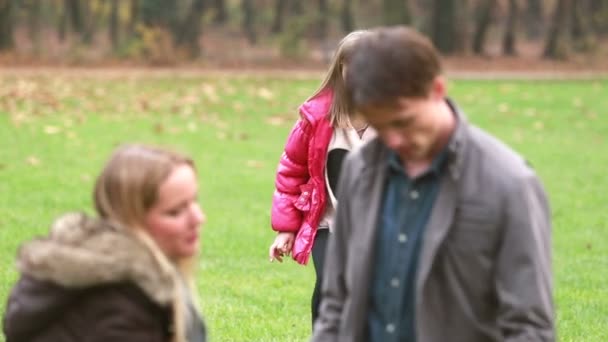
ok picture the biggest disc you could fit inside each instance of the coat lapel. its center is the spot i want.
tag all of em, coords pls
(372, 182)
(444, 209)
(438, 227)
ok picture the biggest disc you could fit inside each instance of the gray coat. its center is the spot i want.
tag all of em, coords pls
(485, 266)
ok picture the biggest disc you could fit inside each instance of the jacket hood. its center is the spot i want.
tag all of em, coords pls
(82, 252)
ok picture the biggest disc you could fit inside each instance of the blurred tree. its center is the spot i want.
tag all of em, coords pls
(159, 13)
(556, 46)
(282, 10)
(190, 30)
(599, 17)
(279, 10)
(534, 19)
(347, 20)
(113, 25)
(483, 18)
(322, 20)
(6, 25)
(396, 12)
(445, 26)
(33, 23)
(249, 21)
(92, 11)
(133, 17)
(462, 17)
(583, 33)
(74, 16)
(295, 7)
(508, 40)
(220, 15)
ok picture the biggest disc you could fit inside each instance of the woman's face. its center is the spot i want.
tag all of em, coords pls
(176, 217)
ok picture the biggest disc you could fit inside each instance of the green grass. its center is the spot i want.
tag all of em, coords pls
(56, 132)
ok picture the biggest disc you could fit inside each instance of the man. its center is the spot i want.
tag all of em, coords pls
(442, 232)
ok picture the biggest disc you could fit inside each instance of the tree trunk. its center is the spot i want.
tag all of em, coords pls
(113, 24)
(62, 23)
(580, 30)
(279, 11)
(599, 16)
(347, 16)
(534, 19)
(221, 15)
(483, 18)
(555, 47)
(508, 41)
(322, 20)
(462, 17)
(190, 31)
(248, 21)
(295, 7)
(72, 8)
(396, 12)
(90, 27)
(133, 17)
(6, 25)
(444, 26)
(34, 24)
(580, 24)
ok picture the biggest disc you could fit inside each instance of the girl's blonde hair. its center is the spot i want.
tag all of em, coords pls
(124, 192)
(340, 110)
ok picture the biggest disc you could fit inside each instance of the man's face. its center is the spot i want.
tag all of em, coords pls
(411, 126)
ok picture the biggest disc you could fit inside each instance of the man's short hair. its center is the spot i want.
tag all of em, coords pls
(389, 63)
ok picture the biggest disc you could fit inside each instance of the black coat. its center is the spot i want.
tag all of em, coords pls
(90, 281)
(39, 311)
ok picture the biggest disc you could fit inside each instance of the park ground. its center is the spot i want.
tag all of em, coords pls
(58, 124)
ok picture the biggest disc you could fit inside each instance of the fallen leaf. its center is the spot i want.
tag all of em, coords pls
(192, 127)
(51, 129)
(256, 164)
(159, 128)
(33, 161)
(265, 93)
(275, 120)
(210, 92)
(503, 107)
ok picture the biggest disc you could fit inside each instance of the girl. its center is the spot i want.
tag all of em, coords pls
(124, 275)
(304, 200)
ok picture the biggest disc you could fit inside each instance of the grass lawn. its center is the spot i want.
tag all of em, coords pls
(56, 132)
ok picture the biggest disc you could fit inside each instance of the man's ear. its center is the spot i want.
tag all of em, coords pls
(439, 88)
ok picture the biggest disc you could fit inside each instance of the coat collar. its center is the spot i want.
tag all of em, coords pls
(81, 251)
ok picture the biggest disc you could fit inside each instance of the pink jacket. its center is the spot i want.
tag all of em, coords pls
(298, 203)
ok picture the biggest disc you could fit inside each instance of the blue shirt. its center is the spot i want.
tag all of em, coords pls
(405, 211)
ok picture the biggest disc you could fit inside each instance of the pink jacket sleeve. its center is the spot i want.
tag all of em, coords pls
(292, 173)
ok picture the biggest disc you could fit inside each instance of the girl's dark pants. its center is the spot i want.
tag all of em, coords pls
(318, 257)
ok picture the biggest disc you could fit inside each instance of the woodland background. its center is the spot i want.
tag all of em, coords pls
(472, 34)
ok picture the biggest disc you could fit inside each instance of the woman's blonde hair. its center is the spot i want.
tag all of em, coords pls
(125, 191)
(340, 110)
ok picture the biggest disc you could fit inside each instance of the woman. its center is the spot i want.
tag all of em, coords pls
(304, 200)
(124, 275)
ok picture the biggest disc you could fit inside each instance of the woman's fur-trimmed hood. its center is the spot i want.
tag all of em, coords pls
(81, 251)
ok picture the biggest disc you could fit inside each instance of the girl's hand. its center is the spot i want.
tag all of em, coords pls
(281, 246)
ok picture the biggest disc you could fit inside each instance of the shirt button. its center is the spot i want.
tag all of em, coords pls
(402, 238)
(395, 282)
(390, 328)
(414, 194)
